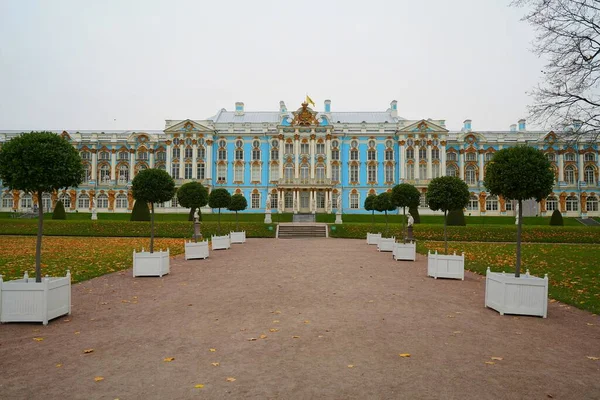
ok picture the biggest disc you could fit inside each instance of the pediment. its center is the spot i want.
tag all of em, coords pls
(423, 126)
(188, 125)
(305, 116)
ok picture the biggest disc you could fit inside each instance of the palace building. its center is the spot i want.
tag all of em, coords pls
(306, 159)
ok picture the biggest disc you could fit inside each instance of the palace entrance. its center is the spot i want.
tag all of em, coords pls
(304, 202)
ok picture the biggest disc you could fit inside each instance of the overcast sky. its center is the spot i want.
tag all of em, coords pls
(83, 64)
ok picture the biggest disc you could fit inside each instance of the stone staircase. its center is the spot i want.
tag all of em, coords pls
(304, 218)
(297, 230)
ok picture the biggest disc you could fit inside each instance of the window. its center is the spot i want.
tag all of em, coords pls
(320, 173)
(451, 171)
(255, 173)
(304, 173)
(491, 203)
(470, 178)
(588, 157)
(187, 170)
(354, 173)
(256, 154)
(275, 143)
(123, 174)
(335, 154)
(410, 171)
(508, 205)
(288, 199)
(389, 143)
(569, 156)
(354, 144)
(389, 155)
(142, 155)
(423, 201)
(551, 203)
(221, 173)
(320, 199)
(123, 155)
(26, 201)
(46, 202)
(591, 204)
(176, 152)
(274, 200)
(239, 153)
(471, 156)
(335, 144)
(551, 157)
(570, 174)
(256, 143)
(335, 173)
(200, 171)
(189, 152)
(489, 156)
(161, 156)
(87, 173)
(320, 148)
(423, 153)
(588, 175)
(354, 155)
(176, 141)
(102, 201)
(473, 204)
(572, 203)
(201, 153)
(354, 200)
(334, 199)
(274, 154)
(222, 154)
(435, 171)
(7, 201)
(435, 154)
(174, 202)
(289, 148)
(304, 148)
(238, 173)
(104, 173)
(222, 143)
(371, 173)
(175, 170)
(289, 172)
(389, 173)
(451, 156)
(274, 172)
(239, 143)
(121, 201)
(422, 171)
(255, 200)
(371, 143)
(86, 155)
(104, 155)
(83, 201)
(410, 153)
(371, 155)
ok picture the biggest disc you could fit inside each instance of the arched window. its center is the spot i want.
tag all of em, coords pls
(389, 155)
(589, 157)
(410, 171)
(423, 153)
(451, 156)
(473, 204)
(491, 203)
(304, 174)
(353, 173)
(187, 170)
(142, 154)
(104, 173)
(435, 153)
(275, 153)
(189, 152)
(569, 156)
(274, 172)
(470, 176)
(221, 173)
(288, 173)
(238, 173)
(591, 203)
(83, 201)
(435, 171)
(335, 154)
(389, 173)
(161, 156)
(256, 154)
(320, 173)
(201, 153)
(320, 148)
(26, 201)
(551, 203)
(123, 155)
(471, 156)
(354, 155)
(104, 155)
(66, 200)
(201, 171)
(47, 202)
(102, 201)
(255, 200)
(304, 148)
(288, 199)
(175, 170)
(176, 152)
(121, 201)
(335, 173)
(451, 170)
(570, 174)
(588, 175)
(7, 200)
(372, 173)
(572, 203)
(123, 174)
(255, 172)
(551, 157)
(354, 200)
(87, 173)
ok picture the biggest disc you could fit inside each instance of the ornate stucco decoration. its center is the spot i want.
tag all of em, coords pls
(305, 116)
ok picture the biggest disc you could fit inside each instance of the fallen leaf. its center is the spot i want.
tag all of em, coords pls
(404, 355)
(370, 301)
(276, 312)
(88, 351)
(589, 324)
(497, 358)
(169, 359)
(307, 322)
(350, 366)
(230, 379)
(104, 303)
(66, 320)
(593, 358)
(295, 337)
(275, 321)
(455, 332)
(490, 362)
(273, 330)
(215, 364)
(212, 350)
(58, 365)
(77, 332)
(98, 378)
(450, 316)
(263, 336)
(252, 339)
(552, 301)
(38, 339)
(199, 386)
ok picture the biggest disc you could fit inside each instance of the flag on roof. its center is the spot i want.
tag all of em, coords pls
(310, 101)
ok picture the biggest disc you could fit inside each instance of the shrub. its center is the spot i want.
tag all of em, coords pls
(219, 198)
(59, 211)
(140, 211)
(238, 203)
(556, 219)
(414, 211)
(193, 195)
(456, 218)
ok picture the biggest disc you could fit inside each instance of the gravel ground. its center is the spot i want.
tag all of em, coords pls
(298, 319)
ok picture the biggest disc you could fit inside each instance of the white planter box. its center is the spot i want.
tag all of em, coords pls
(220, 242)
(526, 295)
(150, 264)
(446, 266)
(24, 300)
(238, 237)
(196, 250)
(386, 244)
(405, 251)
(373, 238)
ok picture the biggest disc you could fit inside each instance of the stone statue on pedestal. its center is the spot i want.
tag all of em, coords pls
(197, 234)
(410, 223)
(94, 214)
(268, 202)
(268, 210)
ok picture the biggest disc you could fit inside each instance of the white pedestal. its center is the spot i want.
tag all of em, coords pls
(405, 251)
(195, 250)
(446, 266)
(386, 244)
(24, 300)
(220, 242)
(526, 295)
(238, 237)
(338, 218)
(268, 219)
(151, 264)
(373, 238)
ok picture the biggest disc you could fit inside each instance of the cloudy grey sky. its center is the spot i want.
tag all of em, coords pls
(81, 64)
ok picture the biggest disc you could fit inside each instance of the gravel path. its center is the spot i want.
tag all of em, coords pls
(298, 319)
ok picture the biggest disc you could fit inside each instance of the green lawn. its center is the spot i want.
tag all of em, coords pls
(225, 216)
(573, 270)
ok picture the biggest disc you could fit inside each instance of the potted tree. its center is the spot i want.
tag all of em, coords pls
(38, 163)
(372, 238)
(518, 173)
(383, 203)
(446, 193)
(219, 198)
(194, 195)
(405, 195)
(152, 186)
(238, 203)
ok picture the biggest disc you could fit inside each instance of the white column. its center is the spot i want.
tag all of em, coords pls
(401, 162)
(94, 165)
(151, 158)
(429, 160)
(327, 194)
(194, 160)
(131, 164)
(561, 161)
(296, 159)
(208, 163)
(461, 165)
(481, 166)
(169, 158)
(113, 165)
(580, 167)
(312, 143)
(281, 150)
(181, 162)
(417, 160)
(443, 160)
(328, 164)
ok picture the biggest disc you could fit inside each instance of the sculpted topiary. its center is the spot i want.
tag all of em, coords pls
(59, 211)
(140, 211)
(556, 219)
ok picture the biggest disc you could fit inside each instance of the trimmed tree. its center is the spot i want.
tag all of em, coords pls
(193, 195)
(519, 173)
(238, 203)
(219, 198)
(140, 211)
(152, 185)
(369, 206)
(38, 163)
(456, 218)
(405, 195)
(556, 219)
(59, 211)
(383, 203)
(447, 193)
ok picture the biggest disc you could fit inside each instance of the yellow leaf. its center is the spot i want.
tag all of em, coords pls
(276, 312)
(455, 332)
(230, 379)
(77, 332)
(273, 330)
(404, 355)
(497, 358)
(199, 386)
(169, 359)
(252, 339)
(295, 337)
(275, 321)
(307, 322)
(589, 324)
(552, 301)
(66, 320)
(58, 365)
(350, 366)
(212, 350)
(99, 378)
(38, 339)
(88, 351)
(593, 358)
(215, 364)
(490, 362)
(263, 336)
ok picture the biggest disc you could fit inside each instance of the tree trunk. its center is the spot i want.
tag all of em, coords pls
(219, 225)
(520, 215)
(152, 228)
(191, 214)
(237, 223)
(445, 232)
(199, 213)
(404, 225)
(38, 244)
(386, 224)
(373, 219)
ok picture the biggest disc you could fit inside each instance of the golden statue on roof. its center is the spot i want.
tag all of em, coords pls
(305, 116)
